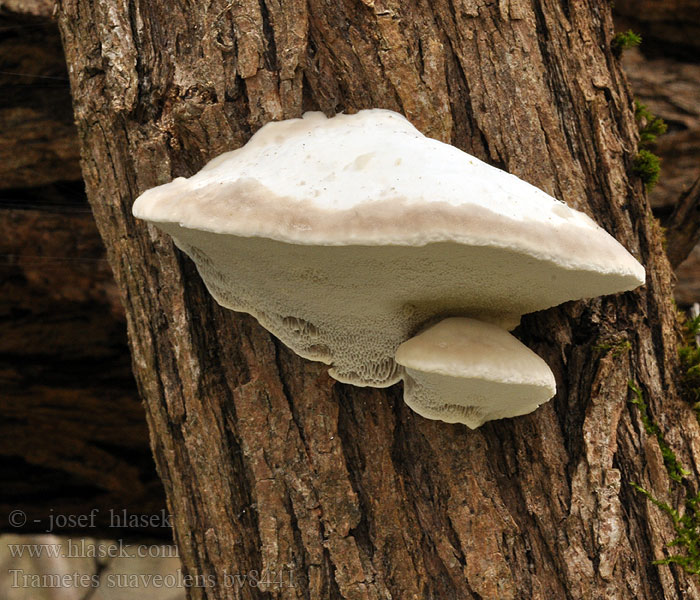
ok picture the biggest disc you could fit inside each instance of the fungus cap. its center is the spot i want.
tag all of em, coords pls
(465, 371)
(343, 236)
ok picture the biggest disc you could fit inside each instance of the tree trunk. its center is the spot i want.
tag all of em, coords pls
(343, 492)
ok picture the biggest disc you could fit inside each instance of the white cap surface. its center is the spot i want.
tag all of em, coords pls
(343, 236)
(466, 371)
(373, 179)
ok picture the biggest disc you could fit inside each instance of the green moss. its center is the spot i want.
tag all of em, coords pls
(689, 358)
(686, 525)
(618, 348)
(647, 166)
(650, 126)
(673, 466)
(625, 40)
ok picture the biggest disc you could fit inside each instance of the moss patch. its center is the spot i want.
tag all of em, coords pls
(647, 167)
(624, 40)
(650, 126)
(689, 359)
(686, 525)
(616, 347)
(675, 470)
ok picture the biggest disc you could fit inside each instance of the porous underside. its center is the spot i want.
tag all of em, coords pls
(470, 401)
(351, 306)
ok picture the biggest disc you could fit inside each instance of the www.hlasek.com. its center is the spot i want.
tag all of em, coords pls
(266, 579)
(86, 548)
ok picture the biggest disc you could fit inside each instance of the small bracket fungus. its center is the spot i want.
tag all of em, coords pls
(466, 371)
(345, 236)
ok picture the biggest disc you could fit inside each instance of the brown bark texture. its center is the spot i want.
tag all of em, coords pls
(267, 462)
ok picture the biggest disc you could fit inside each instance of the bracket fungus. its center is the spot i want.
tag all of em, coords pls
(467, 371)
(345, 236)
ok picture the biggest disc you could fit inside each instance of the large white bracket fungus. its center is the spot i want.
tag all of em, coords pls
(345, 236)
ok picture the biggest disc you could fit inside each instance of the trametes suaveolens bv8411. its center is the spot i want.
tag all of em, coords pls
(346, 237)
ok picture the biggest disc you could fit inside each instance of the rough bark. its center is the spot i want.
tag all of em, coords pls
(268, 463)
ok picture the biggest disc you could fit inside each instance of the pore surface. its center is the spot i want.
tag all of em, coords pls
(351, 306)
